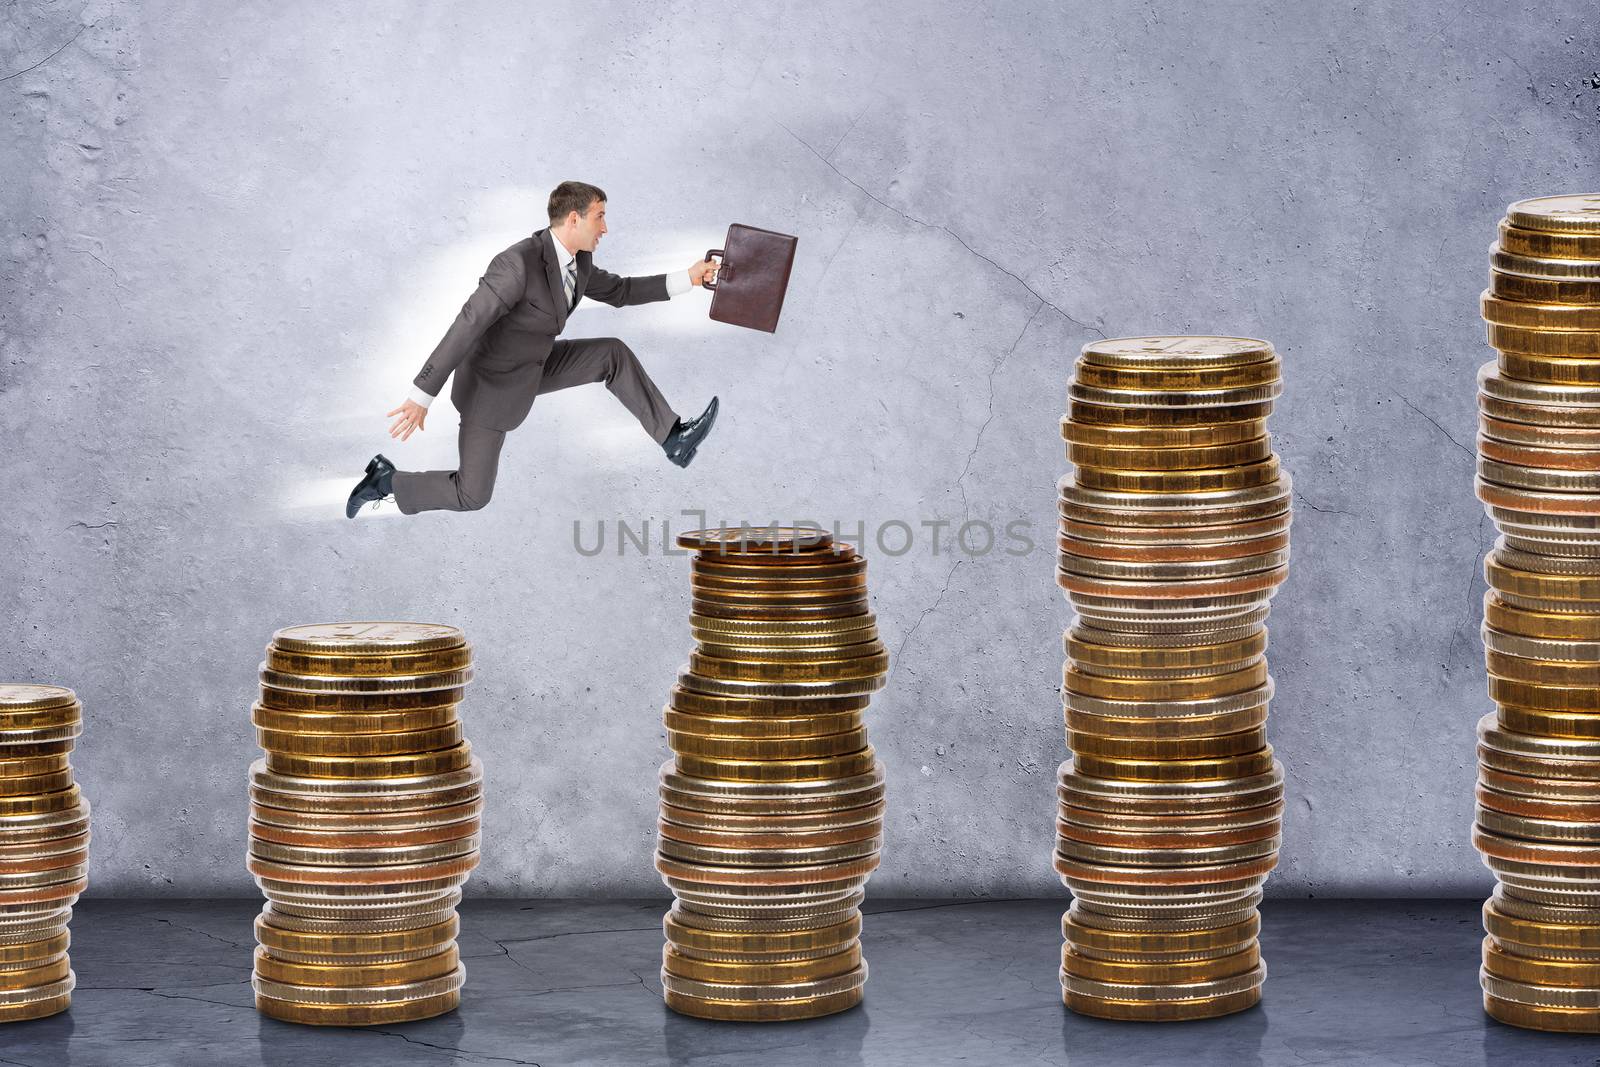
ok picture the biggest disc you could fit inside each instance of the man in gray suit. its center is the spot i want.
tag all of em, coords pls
(503, 350)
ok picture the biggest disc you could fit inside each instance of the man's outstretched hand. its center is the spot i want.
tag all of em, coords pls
(699, 272)
(411, 417)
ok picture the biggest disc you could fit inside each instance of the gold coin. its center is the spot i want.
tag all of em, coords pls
(1537, 316)
(1128, 409)
(1169, 380)
(1166, 991)
(463, 843)
(685, 819)
(1568, 459)
(370, 835)
(831, 966)
(1567, 439)
(694, 703)
(409, 765)
(1165, 728)
(778, 770)
(1534, 290)
(1550, 723)
(1536, 267)
(358, 1015)
(31, 766)
(1557, 830)
(447, 873)
(1177, 351)
(755, 670)
(1539, 937)
(361, 638)
(1545, 342)
(1201, 436)
(1089, 654)
(405, 720)
(746, 748)
(383, 704)
(1171, 973)
(1556, 370)
(693, 938)
(1498, 795)
(1165, 689)
(368, 664)
(1539, 995)
(1542, 672)
(1534, 1017)
(410, 742)
(1199, 940)
(817, 689)
(1534, 852)
(765, 992)
(764, 540)
(18, 697)
(37, 975)
(769, 856)
(23, 955)
(305, 683)
(354, 996)
(348, 975)
(274, 939)
(1264, 472)
(1237, 453)
(1544, 244)
(763, 727)
(780, 878)
(1565, 213)
(761, 1011)
(1162, 1010)
(40, 1008)
(35, 784)
(34, 719)
(1174, 748)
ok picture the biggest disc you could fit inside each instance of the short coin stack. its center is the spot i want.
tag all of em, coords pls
(364, 822)
(44, 848)
(772, 808)
(1538, 814)
(1174, 536)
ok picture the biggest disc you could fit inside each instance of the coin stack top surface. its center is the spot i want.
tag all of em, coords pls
(1174, 535)
(1538, 812)
(44, 848)
(364, 822)
(772, 806)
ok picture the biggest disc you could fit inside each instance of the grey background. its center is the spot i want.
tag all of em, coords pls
(232, 233)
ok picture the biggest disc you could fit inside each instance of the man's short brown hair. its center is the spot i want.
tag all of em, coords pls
(573, 196)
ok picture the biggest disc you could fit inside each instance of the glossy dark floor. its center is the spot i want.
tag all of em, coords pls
(1352, 982)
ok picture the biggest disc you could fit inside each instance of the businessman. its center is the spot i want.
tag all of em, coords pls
(504, 351)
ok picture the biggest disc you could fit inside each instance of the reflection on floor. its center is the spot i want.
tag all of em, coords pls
(1351, 982)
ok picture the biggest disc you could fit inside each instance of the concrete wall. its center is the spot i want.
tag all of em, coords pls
(232, 232)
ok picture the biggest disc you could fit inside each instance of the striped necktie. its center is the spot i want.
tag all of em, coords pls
(569, 282)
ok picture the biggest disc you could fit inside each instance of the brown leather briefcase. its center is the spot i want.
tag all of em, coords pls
(753, 277)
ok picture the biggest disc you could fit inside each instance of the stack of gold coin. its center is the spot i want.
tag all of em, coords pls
(1538, 813)
(1174, 536)
(772, 807)
(364, 822)
(44, 848)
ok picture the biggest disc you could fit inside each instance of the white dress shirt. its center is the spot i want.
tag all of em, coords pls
(678, 283)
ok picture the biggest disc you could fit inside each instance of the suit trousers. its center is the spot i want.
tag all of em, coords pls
(578, 362)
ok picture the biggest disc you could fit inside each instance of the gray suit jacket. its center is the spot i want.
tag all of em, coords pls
(498, 344)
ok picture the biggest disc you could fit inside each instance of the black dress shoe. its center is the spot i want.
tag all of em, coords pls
(684, 440)
(377, 485)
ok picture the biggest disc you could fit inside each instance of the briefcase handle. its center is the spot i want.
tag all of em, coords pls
(715, 253)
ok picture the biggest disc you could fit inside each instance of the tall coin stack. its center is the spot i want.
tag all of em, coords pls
(1174, 536)
(44, 848)
(364, 822)
(1538, 812)
(772, 807)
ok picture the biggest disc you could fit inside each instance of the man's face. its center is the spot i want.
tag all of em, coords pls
(590, 227)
